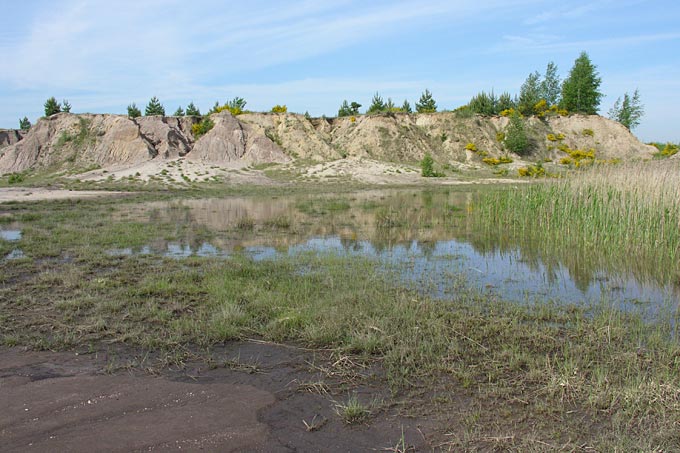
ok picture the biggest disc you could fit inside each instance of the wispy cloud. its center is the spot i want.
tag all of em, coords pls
(569, 12)
(550, 43)
(88, 44)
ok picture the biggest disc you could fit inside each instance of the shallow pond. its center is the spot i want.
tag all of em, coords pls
(432, 238)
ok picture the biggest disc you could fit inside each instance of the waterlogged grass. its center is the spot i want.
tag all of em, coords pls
(609, 366)
(603, 218)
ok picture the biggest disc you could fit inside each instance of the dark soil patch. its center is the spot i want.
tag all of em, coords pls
(259, 398)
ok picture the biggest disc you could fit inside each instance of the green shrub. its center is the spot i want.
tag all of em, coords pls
(24, 124)
(52, 106)
(15, 178)
(516, 139)
(427, 166)
(133, 111)
(279, 109)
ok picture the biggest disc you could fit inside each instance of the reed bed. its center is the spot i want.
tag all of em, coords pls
(627, 212)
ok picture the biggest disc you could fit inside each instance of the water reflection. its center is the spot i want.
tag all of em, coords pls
(10, 235)
(428, 235)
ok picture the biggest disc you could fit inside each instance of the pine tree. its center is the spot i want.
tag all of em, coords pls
(344, 109)
(580, 91)
(505, 102)
(52, 106)
(179, 111)
(426, 103)
(529, 93)
(550, 85)
(133, 111)
(192, 110)
(483, 104)
(629, 111)
(406, 107)
(66, 106)
(516, 139)
(154, 107)
(24, 124)
(377, 104)
(389, 106)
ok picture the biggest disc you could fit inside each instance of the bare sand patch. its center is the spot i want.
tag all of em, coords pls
(8, 194)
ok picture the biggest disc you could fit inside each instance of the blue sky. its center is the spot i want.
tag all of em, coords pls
(310, 55)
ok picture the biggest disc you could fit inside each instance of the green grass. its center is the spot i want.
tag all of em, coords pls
(353, 411)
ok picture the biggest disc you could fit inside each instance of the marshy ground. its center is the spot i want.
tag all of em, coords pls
(341, 320)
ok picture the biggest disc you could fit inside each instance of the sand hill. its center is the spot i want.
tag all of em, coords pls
(87, 141)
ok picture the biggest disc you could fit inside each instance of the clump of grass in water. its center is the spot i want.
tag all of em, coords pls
(389, 218)
(245, 223)
(281, 222)
(320, 206)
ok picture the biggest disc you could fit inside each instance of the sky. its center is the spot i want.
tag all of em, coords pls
(311, 55)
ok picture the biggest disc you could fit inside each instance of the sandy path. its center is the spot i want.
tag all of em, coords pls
(35, 194)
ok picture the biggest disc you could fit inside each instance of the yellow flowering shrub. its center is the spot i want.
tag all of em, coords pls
(471, 147)
(532, 171)
(555, 138)
(497, 160)
(540, 107)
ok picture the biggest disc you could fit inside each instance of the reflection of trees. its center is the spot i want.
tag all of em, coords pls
(350, 243)
(427, 248)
